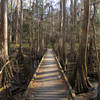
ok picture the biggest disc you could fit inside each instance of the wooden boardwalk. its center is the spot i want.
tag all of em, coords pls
(48, 84)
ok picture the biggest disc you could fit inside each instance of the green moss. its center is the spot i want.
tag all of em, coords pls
(25, 45)
(14, 45)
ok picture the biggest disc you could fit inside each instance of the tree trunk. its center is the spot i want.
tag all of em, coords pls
(94, 41)
(72, 26)
(52, 18)
(1, 37)
(21, 24)
(75, 23)
(32, 27)
(59, 30)
(41, 30)
(73, 8)
(37, 24)
(82, 83)
(17, 22)
(63, 31)
(4, 25)
(10, 37)
(37, 10)
(10, 33)
(97, 56)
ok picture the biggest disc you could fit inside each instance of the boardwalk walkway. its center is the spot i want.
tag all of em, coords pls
(48, 84)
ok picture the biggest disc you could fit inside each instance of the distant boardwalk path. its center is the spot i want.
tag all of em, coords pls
(49, 83)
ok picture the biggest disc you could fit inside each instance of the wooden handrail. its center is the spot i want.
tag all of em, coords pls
(66, 80)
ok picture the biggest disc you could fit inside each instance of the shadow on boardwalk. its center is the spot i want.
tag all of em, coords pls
(48, 83)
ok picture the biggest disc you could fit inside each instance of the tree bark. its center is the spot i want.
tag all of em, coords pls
(21, 24)
(63, 30)
(32, 28)
(31, 25)
(72, 26)
(97, 56)
(82, 83)
(1, 40)
(41, 37)
(83, 47)
(37, 24)
(4, 25)
(10, 37)
(94, 41)
(59, 30)
(17, 22)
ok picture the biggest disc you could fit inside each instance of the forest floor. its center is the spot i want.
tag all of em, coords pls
(91, 95)
(22, 74)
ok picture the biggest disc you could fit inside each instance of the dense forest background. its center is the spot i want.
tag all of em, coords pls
(32, 15)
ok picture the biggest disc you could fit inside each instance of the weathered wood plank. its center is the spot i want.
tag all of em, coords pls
(48, 82)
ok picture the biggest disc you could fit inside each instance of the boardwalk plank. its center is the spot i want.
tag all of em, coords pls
(48, 83)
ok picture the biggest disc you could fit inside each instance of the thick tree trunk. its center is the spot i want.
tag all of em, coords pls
(73, 8)
(96, 51)
(4, 25)
(83, 47)
(61, 34)
(84, 38)
(97, 56)
(82, 83)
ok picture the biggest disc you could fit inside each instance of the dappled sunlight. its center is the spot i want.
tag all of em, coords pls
(47, 74)
(49, 59)
(49, 65)
(48, 83)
